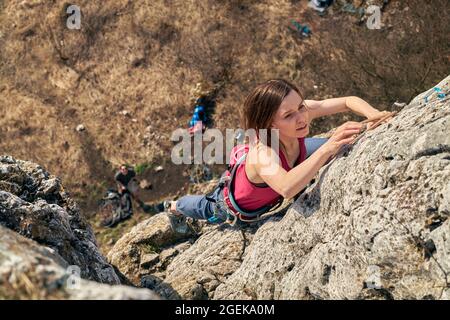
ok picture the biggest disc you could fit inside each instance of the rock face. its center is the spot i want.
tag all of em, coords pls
(47, 249)
(198, 271)
(373, 225)
(155, 256)
(31, 271)
(34, 204)
(149, 247)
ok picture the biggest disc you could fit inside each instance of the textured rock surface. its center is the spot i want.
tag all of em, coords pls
(374, 225)
(198, 271)
(31, 271)
(149, 247)
(154, 256)
(34, 204)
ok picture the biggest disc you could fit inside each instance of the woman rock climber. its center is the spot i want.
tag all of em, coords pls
(276, 104)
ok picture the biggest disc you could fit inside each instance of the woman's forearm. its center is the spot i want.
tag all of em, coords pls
(360, 107)
(298, 178)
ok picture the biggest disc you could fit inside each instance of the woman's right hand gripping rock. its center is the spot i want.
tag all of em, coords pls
(344, 134)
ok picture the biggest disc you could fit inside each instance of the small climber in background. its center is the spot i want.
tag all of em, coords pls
(127, 182)
(202, 98)
(198, 120)
(116, 206)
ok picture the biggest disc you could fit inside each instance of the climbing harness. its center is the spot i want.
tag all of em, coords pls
(228, 204)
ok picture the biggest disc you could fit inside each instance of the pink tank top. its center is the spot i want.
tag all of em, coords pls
(250, 196)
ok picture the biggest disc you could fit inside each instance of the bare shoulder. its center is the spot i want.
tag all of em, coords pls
(254, 162)
(261, 154)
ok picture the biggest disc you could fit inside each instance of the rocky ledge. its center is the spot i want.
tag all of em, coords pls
(374, 225)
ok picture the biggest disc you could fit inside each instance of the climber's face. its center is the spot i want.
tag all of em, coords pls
(123, 170)
(292, 118)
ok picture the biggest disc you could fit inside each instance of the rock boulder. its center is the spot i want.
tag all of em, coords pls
(34, 204)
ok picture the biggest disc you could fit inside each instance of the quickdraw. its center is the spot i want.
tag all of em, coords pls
(440, 94)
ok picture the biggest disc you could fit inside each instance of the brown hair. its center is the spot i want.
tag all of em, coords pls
(263, 102)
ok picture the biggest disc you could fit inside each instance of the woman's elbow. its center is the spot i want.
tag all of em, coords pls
(287, 193)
